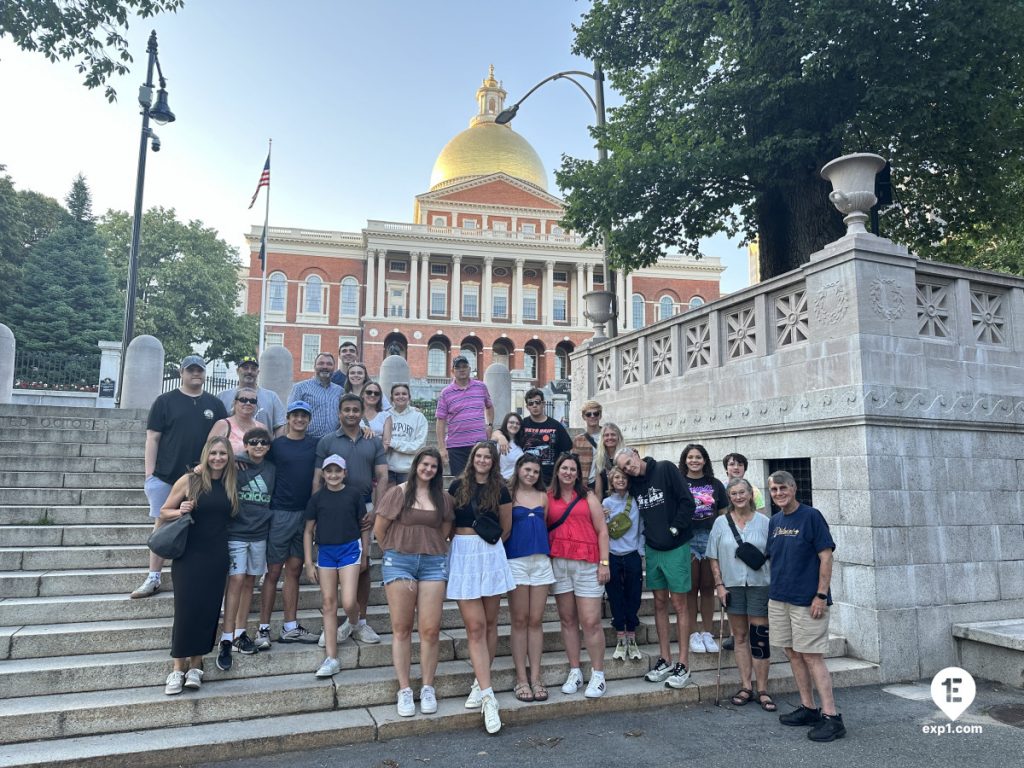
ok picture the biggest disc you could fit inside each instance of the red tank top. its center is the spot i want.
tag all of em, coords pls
(575, 539)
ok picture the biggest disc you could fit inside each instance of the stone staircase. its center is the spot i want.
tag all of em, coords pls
(82, 670)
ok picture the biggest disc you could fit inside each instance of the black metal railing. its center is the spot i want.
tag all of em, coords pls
(214, 384)
(56, 371)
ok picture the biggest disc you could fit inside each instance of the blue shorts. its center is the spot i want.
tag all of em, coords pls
(398, 565)
(340, 555)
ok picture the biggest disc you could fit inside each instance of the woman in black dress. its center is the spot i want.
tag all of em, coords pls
(199, 574)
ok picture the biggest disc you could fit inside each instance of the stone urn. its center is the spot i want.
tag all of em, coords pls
(853, 187)
(599, 310)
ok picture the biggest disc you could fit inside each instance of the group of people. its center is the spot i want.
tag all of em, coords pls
(531, 512)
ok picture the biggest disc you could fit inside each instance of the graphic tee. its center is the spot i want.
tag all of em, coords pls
(546, 440)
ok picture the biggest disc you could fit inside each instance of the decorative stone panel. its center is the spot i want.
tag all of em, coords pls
(630, 361)
(741, 332)
(933, 309)
(698, 344)
(790, 315)
(604, 379)
(661, 356)
(988, 316)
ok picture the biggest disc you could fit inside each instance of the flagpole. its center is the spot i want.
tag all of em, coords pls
(263, 265)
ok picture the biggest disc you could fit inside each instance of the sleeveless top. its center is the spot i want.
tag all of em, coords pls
(575, 539)
(235, 435)
(529, 533)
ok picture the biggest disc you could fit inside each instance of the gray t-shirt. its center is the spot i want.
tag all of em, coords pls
(255, 487)
(362, 456)
(269, 408)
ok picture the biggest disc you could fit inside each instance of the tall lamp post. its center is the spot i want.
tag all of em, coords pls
(601, 305)
(161, 114)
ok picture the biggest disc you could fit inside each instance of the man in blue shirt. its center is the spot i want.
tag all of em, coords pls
(322, 395)
(800, 549)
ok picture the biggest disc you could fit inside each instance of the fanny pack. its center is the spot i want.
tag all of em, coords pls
(753, 557)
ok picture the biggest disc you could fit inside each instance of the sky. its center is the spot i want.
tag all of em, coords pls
(358, 97)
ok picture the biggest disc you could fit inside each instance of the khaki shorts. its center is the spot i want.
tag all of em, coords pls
(791, 626)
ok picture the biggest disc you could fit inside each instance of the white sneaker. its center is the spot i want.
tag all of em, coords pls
(620, 649)
(345, 632)
(492, 720)
(596, 687)
(709, 642)
(364, 633)
(175, 680)
(573, 682)
(428, 700)
(474, 700)
(633, 649)
(697, 643)
(406, 705)
(194, 679)
(679, 677)
(329, 668)
(149, 587)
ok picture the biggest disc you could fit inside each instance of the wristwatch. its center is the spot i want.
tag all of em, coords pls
(673, 530)
(821, 596)
(603, 562)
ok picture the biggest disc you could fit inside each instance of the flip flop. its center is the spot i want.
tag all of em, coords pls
(767, 706)
(540, 693)
(742, 696)
(524, 692)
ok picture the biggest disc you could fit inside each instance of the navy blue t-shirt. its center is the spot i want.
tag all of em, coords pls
(294, 460)
(794, 541)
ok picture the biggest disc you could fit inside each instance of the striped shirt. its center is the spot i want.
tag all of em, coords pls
(323, 400)
(464, 412)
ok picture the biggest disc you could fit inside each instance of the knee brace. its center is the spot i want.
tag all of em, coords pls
(758, 637)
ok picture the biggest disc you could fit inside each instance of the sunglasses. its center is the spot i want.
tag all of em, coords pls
(257, 441)
(534, 402)
(592, 414)
(370, 392)
(246, 400)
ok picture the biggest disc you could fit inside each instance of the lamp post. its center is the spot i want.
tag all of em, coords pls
(601, 305)
(161, 115)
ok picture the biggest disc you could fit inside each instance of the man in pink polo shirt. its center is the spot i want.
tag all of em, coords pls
(465, 415)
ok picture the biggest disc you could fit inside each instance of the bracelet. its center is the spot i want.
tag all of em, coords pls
(719, 584)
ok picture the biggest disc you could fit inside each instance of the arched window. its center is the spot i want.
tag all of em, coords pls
(531, 361)
(665, 307)
(437, 360)
(561, 363)
(470, 354)
(314, 304)
(277, 289)
(349, 297)
(637, 320)
(696, 301)
(503, 353)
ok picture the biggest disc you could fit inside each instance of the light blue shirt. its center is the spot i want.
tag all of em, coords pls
(722, 547)
(323, 400)
(633, 539)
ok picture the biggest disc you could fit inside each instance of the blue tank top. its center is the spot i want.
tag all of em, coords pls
(529, 533)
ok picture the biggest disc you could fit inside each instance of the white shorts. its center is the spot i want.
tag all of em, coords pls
(575, 576)
(477, 569)
(532, 571)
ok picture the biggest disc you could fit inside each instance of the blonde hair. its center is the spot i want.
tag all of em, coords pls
(589, 404)
(602, 458)
(201, 483)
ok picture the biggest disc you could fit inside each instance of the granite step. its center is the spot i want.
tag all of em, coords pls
(100, 449)
(67, 479)
(111, 437)
(36, 515)
(70, 464)
(55, 535)
(73, 497)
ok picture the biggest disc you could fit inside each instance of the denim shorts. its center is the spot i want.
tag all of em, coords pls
(699, 543)
(247, 558)
(398, 565)
(339, 555)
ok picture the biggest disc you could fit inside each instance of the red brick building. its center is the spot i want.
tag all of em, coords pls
(483, 269)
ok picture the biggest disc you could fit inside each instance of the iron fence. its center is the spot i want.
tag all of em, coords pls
(56, 371)
(214, 384)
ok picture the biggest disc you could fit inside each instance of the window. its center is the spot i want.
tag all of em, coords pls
(561, 364)
(531, 361)
(499, 226)
(313, 300)
(529, 304)
(470, 300)
(275, 339)
(499, 301)
(396, 299)
(310, 349)
(398, 266)
(556, 230)
(559, 306)
(503, 354)
(437, 360)
(438, 299)
(470, 354)
(665, 308)
(529, 229)
(277, 291)
(637, 319)
(696, 301)
(440, 221)
(599, 278)
(439, 269)
(800, 469)
(349, 297)
(560, 276)
(469, 223)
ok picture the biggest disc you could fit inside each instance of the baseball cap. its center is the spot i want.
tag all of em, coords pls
(300, 405)
(460, 360)
(334, 459)
(249, 360)
(193, 360)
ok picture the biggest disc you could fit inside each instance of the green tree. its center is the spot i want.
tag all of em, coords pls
(733, 106)
(12, 236)
(188, 284)
(79, 202)
(41, 216)
(90, 31)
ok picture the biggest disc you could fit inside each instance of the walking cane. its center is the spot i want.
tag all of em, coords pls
(721, 632)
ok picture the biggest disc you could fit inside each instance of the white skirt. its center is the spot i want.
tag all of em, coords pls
(477, 569)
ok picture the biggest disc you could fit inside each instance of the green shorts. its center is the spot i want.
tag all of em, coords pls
(669, 569)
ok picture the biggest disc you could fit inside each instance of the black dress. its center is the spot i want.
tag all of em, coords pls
(199, 576)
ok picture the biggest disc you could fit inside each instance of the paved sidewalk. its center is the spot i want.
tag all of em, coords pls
(884, 726)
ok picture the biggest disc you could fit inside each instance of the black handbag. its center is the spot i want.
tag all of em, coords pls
(752, 557)
(170, 539)
(486, 526)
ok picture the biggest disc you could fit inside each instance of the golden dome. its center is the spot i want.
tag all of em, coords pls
(486, 147)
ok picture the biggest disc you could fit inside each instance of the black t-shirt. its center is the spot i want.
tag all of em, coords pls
(709, 496)
(464, 516)
(294, 460)
(337, 514)
(547, 440)
(184, 422)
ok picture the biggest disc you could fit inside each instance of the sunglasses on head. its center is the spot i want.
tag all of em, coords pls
(246, 400)
(591, 414)
(257, 441)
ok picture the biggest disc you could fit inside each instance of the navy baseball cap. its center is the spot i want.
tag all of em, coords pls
(300, 405)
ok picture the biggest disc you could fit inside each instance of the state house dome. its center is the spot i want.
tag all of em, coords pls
(486, 147)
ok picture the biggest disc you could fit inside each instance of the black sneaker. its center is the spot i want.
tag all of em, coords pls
(729, 644)
(829, 729)
(801, 716)
(245, 645)
(224, 657)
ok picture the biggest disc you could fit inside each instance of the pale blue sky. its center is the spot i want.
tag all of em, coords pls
(358, 97)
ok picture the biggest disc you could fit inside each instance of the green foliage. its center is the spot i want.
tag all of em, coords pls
(732, 107)
(79, 202)
(188, 284)
(41, 216)
(12, 236)
(90, 31)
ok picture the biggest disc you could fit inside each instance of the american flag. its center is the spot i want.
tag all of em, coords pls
(264, 181)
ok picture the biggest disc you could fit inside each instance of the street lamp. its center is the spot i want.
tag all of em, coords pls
(601, 305)
(161, 115)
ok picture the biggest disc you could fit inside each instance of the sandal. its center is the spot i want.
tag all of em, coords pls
(540, 693)
(767, 706)
(524, 692)
(742, 696)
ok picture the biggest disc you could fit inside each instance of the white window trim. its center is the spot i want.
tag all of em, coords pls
(274, 339)
(397, 285)
(311, 363)
(661, 308)
(496, 292)
(444, 353)
(397, 265)
(272, 312)
(470, 223)
(470, 289)
(309, 317)
(438, 269)
(443, 285)
(342, 315)
(439, 221)
(563, 294)
(531, 292)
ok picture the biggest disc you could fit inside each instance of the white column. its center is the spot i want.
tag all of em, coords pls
(516, 299)
(381, 275)
(549, 291)
(413, 285)
(485, 290)
(371, 285)
(424, 285)
(456, 313)
(620, 289)
(626, 316)
(579, 283)
(590, 278)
